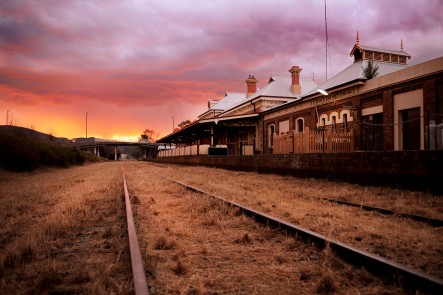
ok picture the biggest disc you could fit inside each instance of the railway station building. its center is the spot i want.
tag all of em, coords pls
(231, 125)
(394, 107)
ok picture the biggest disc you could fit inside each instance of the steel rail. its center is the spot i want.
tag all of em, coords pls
(397, 273)
(431, 221)
(138, 271)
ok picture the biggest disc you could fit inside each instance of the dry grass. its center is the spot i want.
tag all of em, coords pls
(219, 251)
(63, 232)
(295, 200)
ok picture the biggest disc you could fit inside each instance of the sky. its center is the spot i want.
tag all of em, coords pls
(132, 65)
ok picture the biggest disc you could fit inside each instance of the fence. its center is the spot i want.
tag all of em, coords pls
(190, 150)
(318, 141)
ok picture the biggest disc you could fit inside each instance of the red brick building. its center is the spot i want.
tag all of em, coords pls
(399, 109)
(396, 107)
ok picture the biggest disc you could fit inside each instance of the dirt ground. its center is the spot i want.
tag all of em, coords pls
(63, 232)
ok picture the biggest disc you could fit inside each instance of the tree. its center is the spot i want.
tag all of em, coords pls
(183, 124)
(149, 134)
(371, 70)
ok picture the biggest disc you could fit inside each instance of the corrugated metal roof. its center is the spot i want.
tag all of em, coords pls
(355, 72)
(279, 87)
(230, 99)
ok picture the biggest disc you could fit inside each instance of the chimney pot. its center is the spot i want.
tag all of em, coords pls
(251, 83)
(295, 85)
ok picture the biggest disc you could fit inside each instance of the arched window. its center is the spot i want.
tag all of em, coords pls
(334, 123)
(300, 126)
(323, 122)
(271, 131)
(345, 122)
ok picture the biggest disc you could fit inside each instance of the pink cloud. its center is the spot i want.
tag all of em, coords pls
(157, 54)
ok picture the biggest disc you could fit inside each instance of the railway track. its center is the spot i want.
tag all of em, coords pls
(138, 271)
(410, 278)
(428, 220)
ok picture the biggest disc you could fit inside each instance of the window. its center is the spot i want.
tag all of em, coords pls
(377, 56)
(345, 123)
(334, 123)
(283, 126)
(271, 132)
(372, 132)
(323, 122)
(402, 59)
(300, 126)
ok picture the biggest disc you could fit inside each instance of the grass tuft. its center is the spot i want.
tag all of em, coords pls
(180, 268)
(163, 243)
(244, 240)
(48, 278)
(326, 285)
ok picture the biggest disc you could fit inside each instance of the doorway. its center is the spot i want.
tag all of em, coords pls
(411, 128)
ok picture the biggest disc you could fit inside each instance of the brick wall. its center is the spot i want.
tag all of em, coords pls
(388, 118)
(439, 99)
(420, 170)
(373, 101)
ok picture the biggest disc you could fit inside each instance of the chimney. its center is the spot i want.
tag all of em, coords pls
(295, 86)
(252, 85)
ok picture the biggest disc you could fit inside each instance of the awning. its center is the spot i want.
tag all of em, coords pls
(216, 120)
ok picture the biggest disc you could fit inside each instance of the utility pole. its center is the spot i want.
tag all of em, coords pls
(7, 116)
(173, 124)
(87, 124)
(326, 53)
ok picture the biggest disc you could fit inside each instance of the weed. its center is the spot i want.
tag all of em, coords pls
(244, 240)
(179, 268)
(164, 243)
(48, 277)
(326, 285)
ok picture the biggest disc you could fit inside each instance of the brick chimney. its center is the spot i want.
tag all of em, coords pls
(295, 86)
(252, 85)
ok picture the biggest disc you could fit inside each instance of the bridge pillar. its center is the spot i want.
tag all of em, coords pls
(115, 153)
(95, 151)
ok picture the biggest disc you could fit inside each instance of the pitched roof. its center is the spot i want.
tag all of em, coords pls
(278, 87)
(355, 72)
(230, 99)
(281, 87)
(368, 48)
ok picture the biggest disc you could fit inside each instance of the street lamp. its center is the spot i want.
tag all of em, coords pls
(87, 125)
(322, 91)
(173, 124)
(7, 116)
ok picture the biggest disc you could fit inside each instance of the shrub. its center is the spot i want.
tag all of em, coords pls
(20, 152)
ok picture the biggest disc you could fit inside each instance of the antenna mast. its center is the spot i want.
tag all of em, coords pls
(326, 53)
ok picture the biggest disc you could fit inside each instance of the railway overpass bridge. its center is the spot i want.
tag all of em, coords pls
(149, 148)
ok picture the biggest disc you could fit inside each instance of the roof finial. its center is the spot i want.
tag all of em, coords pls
(401, 44)
(358, 39)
